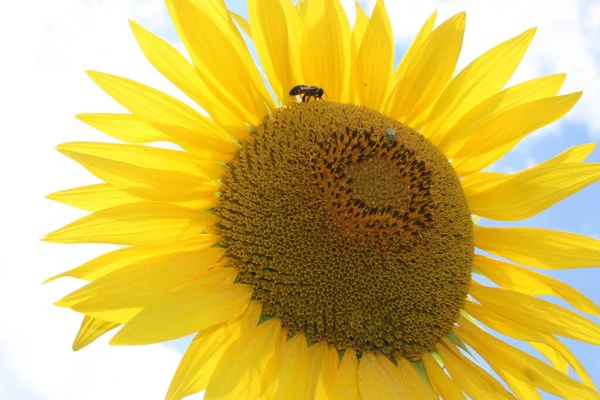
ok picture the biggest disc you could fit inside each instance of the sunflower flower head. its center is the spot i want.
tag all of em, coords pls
(315, 229)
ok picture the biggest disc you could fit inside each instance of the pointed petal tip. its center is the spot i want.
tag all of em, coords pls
(124, 338)
(70, 148)
(47, 238)
(572, 99)
(459, 18)
(63, 147)
(51, 196)
(52, 279)
(77, 346)
(117, 340)
(96, 75)
(529, 33)
(134, 25)
(60, 302)
(53, 237)
(458, 21)
(138, 30)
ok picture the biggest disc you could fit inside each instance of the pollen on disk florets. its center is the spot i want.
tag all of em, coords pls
(350, 226)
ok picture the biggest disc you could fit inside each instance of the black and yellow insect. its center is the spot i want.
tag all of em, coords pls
(307, 92)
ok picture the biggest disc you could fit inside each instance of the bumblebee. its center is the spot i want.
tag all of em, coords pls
(307, 92)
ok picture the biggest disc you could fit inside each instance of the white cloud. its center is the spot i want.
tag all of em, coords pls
(567, 40)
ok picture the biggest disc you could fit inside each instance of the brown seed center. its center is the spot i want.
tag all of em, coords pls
(350, 226)
(378, 184)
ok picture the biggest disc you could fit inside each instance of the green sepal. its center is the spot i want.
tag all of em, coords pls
(420, 367)
(468, 316)
(264, 318)
(436, 356)
(459, 343)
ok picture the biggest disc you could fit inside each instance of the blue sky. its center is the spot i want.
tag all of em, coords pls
(47, 85)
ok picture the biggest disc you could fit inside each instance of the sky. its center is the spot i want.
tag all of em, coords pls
(46, 48)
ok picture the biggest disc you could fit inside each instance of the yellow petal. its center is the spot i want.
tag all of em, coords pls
(116, 259)
(563, 357)
(429, 72)
(523, 280)
(296, 36)
(321, 368)
(414, 385)
(521, 389)
(94, 197)
(481, 181)
(154, 107)
(575, 154)
(358, 31)
(527, 193)
(539, 248)
(281, 379)
(469, 377)
(133, 129)
(121, 307)
(150, 276)
(476, 82)
(500, 134)
(169, 62)
(90, 330)
(412, 52)
(270, 35)
(405, 62)
(375, 59)
(330, 364)
(345, 385)
(145, 156)
(547, 344)
(524, 367)
(375, 382)
(135, 224)
(456, 136)
(220, 57)
(125, 127)
(115, 313)
(205, 351)
(147, 172)
(189, 309)
(443, 385)
(326, 50)
(536, 313)
(516, 330)
(242, 22)
(555, 358)
(100, 196)
(360, 26)
(238, 373)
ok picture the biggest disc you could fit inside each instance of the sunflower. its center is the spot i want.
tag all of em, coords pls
(327, 249)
